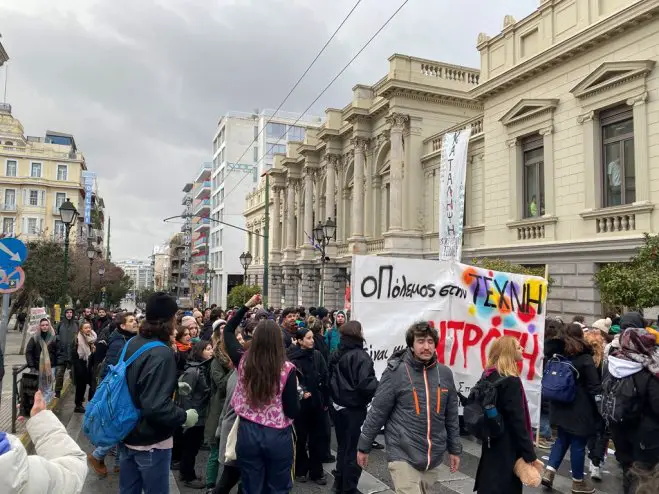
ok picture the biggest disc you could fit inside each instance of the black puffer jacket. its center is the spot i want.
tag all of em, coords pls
(321, 345)
(581, 416)
(351, 375)
(152, 381)
(66, 332)
(196, 374)
(33, 351)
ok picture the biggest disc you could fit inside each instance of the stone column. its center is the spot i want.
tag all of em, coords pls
(330, 186)
(340, 210)
(398, 122)
(308, 203)
(318, 178)
(369, 227)
(276, 239)
(515, 198)
(640, 113)
(300, 215)
(376, 211)
(592, 195)
(548, 149)
(290, 217)
(361, 146)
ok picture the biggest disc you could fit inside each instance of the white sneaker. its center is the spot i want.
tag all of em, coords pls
(595, 472)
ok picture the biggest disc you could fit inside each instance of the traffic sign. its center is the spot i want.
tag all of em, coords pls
(11, 280)
(13, 253)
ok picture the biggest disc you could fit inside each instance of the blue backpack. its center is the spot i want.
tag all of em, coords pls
(559, 381)
(112, 415)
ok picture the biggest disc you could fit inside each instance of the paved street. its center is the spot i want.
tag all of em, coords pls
(376, 480)
(12, 357)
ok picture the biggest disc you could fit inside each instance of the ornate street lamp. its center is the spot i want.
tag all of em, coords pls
(323, 234)
(68, 213)
(245, 261)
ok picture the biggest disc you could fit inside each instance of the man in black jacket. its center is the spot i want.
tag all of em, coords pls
(207, 330)
(152, 381)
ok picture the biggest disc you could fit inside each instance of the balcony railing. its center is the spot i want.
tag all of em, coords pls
(375, 246)
(433, 143)
(202, 204)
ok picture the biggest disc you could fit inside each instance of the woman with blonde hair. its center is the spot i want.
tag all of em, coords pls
(597, 443)
(495, 473)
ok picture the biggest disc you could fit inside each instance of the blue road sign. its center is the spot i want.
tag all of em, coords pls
(13, 253)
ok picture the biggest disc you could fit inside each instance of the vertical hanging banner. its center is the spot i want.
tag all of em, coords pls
(453, 173)
(471, 307)
(88, 183)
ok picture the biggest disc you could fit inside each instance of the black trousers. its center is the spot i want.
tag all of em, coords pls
(348, 423)
(229, 478)
(191, 440)
(597, 445)
(310, 442)
(83, 377)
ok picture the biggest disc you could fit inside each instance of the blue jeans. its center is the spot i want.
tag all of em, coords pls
(545, 427)
(146, 471)
(577, 447)
(265, 458)
(102, 451)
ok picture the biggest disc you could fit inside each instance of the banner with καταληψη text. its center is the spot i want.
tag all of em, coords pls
(470, 307)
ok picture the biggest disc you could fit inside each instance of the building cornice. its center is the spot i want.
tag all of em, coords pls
(609, 27)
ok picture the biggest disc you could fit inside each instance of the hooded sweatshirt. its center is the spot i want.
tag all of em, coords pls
(59, 466)
(620, 368)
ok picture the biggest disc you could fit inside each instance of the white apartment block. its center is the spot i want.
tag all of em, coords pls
(244, 146)
(141, 272)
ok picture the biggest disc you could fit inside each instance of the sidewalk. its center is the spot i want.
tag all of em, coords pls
(12, 357)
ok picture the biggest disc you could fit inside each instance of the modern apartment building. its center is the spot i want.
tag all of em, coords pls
(562, 170)
(244, 146)
(201, 206)
(141, 272)
(37, 174)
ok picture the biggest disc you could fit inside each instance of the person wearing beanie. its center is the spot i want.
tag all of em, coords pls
(65, 333)
(604, 325)
(332, 337)
(190, 323)
(145, 454)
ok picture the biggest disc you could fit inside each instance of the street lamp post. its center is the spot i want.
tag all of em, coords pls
(101, 273)
(245, 260)
(68, 213)
(323, 234)
(211, 273)
(91, 254)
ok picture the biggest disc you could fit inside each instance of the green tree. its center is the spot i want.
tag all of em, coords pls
(241, 294)
(44, 271)
(633, 284)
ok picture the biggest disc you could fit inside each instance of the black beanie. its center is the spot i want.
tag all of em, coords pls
(160, 307)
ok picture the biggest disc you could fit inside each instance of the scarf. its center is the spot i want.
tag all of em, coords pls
(45, 367)
(639, 345)
(182, 347)
(85, 344)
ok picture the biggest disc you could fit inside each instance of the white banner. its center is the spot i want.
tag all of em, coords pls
(453, 173)
(470, 307)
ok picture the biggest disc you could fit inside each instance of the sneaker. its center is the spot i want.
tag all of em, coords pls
(301, 479)
(194, 484)
(321, 480)
(98, 465)
(548, 478)
(79, 409)
(377, 445)
(545, 444)
(595, 472)
(582, 486)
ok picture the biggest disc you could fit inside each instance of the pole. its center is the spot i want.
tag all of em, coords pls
(91, 261)
(206, 272)
(266, 246)
(66, 261)
(107, 254)
(321, 291)
(5, 322)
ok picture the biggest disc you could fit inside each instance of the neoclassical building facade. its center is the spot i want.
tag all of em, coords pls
(563, 164)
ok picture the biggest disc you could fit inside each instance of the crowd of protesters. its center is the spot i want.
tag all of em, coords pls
(260, 389)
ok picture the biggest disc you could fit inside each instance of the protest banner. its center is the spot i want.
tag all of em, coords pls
(453, 173)
(470, 307)
(36, 315)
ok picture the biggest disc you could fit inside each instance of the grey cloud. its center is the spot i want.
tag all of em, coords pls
(143, 85)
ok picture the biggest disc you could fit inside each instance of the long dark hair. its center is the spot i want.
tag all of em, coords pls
(263, 364)
(574, 340)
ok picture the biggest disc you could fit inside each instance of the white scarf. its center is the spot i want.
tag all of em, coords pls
(85, 345)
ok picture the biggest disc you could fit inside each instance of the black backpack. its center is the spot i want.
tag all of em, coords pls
(622, 400)
(482, 397)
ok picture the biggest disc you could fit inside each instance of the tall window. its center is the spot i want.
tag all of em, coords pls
(31, 226)
(276, 130)
(256, 154)
(35, 170)
(59, 230)
(60, 198)
(8, 226)
(11, 168)
(10, 199)
(62, 172)
(534, 176)
(33, 199)
(619, 182)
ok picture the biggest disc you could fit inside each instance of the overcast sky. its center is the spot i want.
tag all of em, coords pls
(142, 84)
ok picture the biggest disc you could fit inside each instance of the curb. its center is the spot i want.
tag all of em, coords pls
(25, 437)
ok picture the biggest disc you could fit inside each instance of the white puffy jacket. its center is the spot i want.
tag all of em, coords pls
(59, 467)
